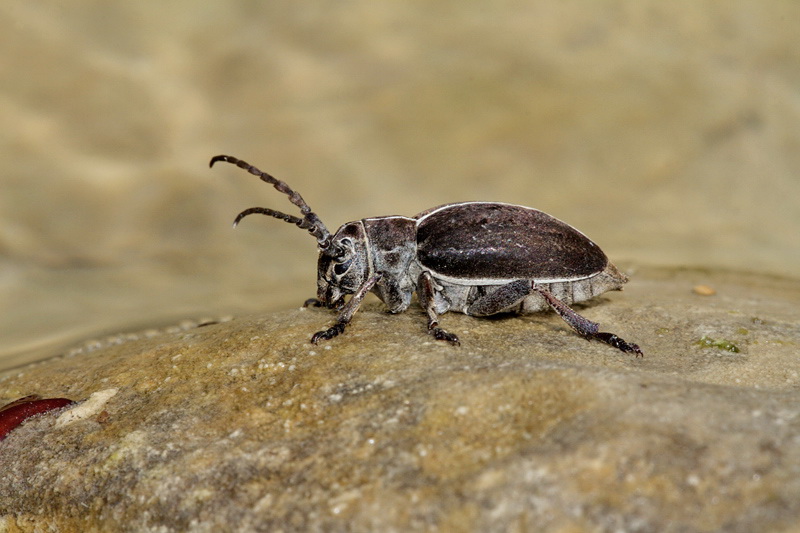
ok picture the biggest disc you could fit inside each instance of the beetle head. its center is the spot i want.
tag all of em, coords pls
(344, 266)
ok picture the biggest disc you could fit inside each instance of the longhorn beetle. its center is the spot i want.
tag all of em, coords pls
(476, 258)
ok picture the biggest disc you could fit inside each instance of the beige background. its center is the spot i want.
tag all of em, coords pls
(668, 132)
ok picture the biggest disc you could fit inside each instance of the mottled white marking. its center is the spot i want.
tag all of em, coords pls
(90, 407)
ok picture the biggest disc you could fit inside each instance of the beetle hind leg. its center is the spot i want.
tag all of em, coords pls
(507, 296)
(585, 327)
(425, 293)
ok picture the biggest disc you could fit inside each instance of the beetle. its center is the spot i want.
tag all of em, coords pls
(476, 258)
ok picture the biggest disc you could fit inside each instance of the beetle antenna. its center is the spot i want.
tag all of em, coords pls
(310, 220)
(269, 212)
(303, 223)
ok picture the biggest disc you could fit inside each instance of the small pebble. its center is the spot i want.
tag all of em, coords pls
(704, 290)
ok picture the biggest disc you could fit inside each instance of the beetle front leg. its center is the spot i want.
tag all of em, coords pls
(583, 326)
(347, 312)
(425, 293)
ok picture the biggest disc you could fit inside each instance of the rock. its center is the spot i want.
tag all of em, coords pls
(245, 426)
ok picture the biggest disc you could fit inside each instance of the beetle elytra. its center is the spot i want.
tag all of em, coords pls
(476, 258)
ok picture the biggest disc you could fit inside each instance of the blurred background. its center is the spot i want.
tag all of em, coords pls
(669, 132)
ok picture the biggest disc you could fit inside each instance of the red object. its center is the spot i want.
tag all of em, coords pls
(16, 412)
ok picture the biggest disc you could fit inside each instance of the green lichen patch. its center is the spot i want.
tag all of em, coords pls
(722, 344)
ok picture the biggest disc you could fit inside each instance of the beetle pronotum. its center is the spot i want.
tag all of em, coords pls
(476, 258)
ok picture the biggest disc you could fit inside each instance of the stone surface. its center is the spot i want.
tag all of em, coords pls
(666, 131)
(244, 425)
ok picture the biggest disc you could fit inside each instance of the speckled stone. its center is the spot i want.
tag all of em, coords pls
(245, 426)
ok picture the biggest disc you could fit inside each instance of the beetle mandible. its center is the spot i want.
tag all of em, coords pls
(476, 258)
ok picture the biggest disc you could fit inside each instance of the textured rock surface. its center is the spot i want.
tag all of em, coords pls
(666, 131)
(245, 425)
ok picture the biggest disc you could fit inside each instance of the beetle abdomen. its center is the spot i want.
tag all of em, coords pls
(496, 241)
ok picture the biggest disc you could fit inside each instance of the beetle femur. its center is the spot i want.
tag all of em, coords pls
(310, 220)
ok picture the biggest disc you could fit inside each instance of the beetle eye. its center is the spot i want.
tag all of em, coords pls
(340, 268)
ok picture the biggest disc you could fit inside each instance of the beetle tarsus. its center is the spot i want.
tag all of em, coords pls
(616, 342)
(442, 335)
(328, 334)
(312, 302)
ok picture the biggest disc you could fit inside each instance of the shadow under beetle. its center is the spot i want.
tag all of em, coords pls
(476, 258)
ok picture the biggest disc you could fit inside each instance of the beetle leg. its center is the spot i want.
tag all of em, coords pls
(503, 298)
(425, 293)
(347, 311)
(583, 326)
